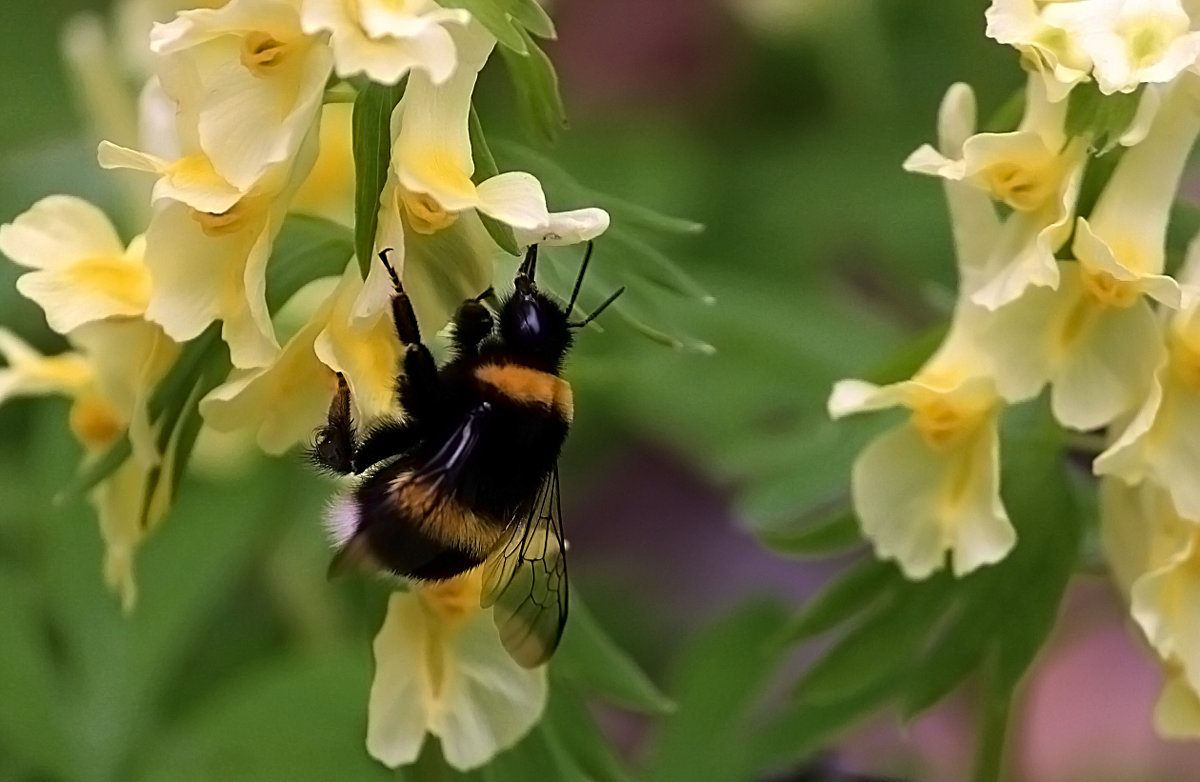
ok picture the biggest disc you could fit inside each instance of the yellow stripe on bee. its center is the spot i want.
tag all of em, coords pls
(441, 517)
(529, 386)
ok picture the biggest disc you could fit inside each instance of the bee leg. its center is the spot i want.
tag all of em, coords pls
(417, 387)
(333, 448)
(383, 441)
(472, 323)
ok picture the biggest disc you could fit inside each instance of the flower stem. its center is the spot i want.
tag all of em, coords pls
(993, 731)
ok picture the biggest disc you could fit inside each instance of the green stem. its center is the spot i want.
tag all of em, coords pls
(993, 731)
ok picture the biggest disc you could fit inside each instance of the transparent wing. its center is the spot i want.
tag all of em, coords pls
(525, 580)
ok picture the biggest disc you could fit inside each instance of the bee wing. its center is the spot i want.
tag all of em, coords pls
(525, 580)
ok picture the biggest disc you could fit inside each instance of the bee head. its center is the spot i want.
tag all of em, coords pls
(534, 326)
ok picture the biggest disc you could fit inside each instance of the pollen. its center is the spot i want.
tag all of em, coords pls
(261, 52)
(220, 224)
(945, 420)
(94, 421)
(453, 601)
(1108, 291)
(117, 277)
(1022, 186)
(425, 215)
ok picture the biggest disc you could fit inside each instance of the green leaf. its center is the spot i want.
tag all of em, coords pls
(833, 534)
(536, 86)
(886, 643)
(1100, 118)
(508, 19)
(570, 729)
(485, 168)
(853, 591)
(372, 157)
(717, 683)
(590, 659)
(307, 248)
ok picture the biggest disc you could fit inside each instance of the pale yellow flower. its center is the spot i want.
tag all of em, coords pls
(1161, 443)
(1035, 172)
(1049, 48)
(250, 77)
(440, 669)
(328, 190)
(285, 401)
(386, 40)
(109, 380)
(82, 271)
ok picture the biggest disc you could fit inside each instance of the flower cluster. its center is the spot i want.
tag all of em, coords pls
(1067, 294)
(240, 116)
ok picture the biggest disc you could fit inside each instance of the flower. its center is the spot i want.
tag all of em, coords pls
(386, 40)
(82, 272)
(1035, 171)
(286, 400)
(430, 193)
(109, 380)
(1162, 441)
(250, 79)
(1048, 47)
(1131, 42)
(440, 669)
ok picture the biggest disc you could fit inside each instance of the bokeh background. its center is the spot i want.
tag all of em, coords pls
(781, 126)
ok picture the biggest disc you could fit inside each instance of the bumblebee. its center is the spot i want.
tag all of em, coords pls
(469, 476)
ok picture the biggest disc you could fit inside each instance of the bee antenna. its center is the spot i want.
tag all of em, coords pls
(603, 306)
(529, 265)
(587, 256)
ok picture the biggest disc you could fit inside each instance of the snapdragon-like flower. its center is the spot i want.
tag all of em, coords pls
(1131, 42)
(1049, 47)
(441, 670)
(251, 78)
(430, 193)
(932, 485)
(1152, 552)
(108, 380)
(1035, 171)
(285, 401)
(82, 271)
(1162, 441)
(384, 39)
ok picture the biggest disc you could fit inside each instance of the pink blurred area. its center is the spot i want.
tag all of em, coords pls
(1086, 713)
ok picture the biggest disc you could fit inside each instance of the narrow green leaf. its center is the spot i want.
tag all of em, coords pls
(657, 268)
(569, 727)
(536, 86)
(804, 729)
(717, 682)
(372, 157)
(833, 534)
(92, 472)
(1099, 117)
(851, 592)
(884, 644)
(494, 15)
(556, 178)
(531, 15)
(957, 652)
(307, 248)
(485, 168)
(590, 659)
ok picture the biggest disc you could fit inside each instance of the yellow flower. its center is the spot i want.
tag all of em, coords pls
(1049, 48)
(440, 669)
(384, 39)
(1035, 171)
(82, 272)
(250, 78)
(109, 380)
(286, 400)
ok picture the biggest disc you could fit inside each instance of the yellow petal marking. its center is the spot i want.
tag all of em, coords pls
(120, 278)
(425, 214)
(95, 422)
(261, 52)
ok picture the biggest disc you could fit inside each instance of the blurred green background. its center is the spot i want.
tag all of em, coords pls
(781, 127)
